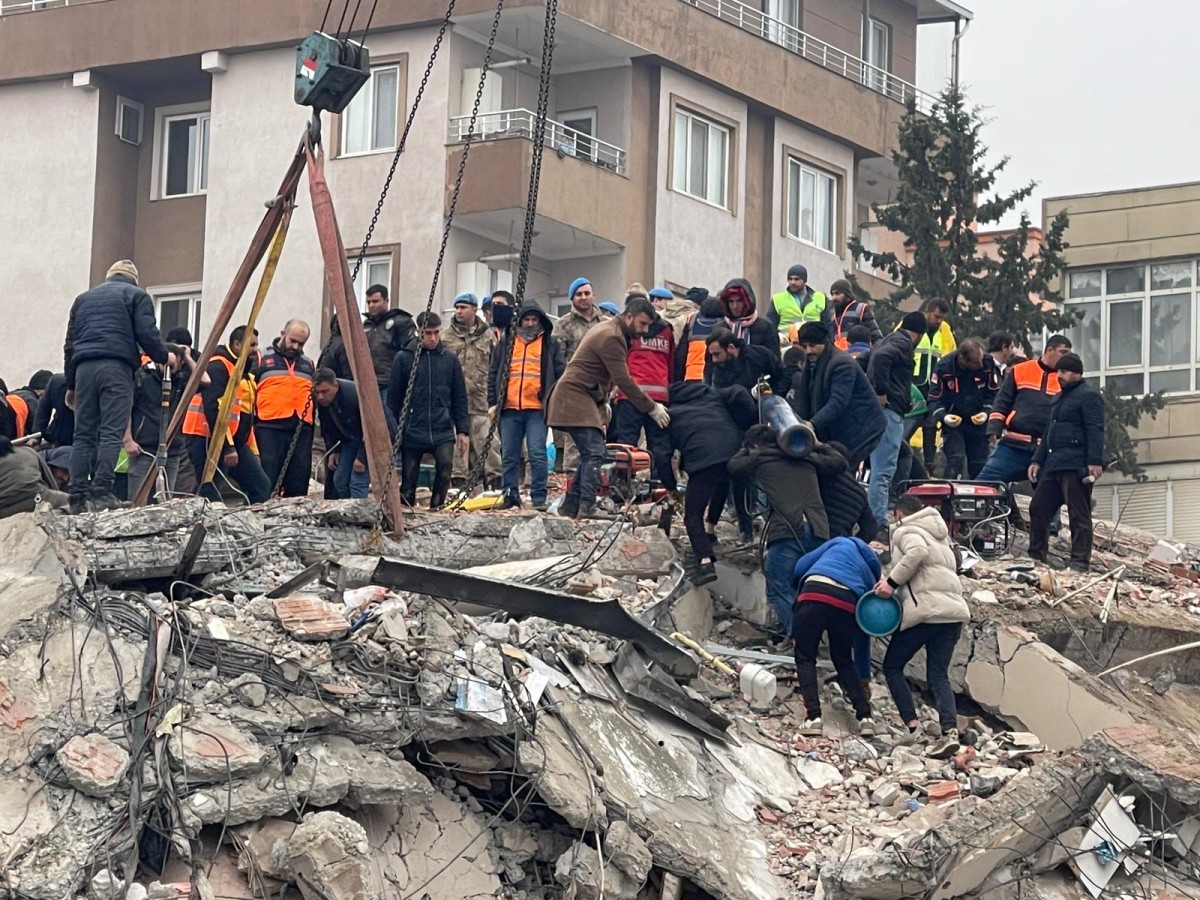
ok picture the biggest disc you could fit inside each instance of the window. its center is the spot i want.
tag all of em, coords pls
(1138, 333)
(179, 311)
(812, 205)
(877, 41)
(129, 120)
(182, 151)
(782, 22)
(369, 122)
(374, 270)
(700, 158)
(582, 125)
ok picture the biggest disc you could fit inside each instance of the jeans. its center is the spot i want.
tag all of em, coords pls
(706, 490)
(779, 564)
(1053, 490)
(966, 441)
(140, 465)
(410, 473)
(938, 640)
(350, 484)
(103, 403)
(590, 442)
(248, 474)
(527, 427)
(273, 444)
(883, 464)
(627, 425)
(810, 621)
(1007, 463)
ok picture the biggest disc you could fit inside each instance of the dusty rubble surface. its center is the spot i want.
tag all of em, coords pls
(350, 738)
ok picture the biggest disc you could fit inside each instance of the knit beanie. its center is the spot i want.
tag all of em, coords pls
(697, 295)
(841, 285)
(812, 333)
(1070, 362)
(123, 267)
(575, 286)
(40, 379)
(915, 322)
(798, 271)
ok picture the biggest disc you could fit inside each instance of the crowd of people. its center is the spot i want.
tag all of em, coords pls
(481, 392)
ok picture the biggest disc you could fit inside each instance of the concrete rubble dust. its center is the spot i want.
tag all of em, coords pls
(170, 730)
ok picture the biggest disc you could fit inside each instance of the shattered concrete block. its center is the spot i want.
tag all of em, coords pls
(106, 886)
(640, 553)
(30, 570)
(988, 780)
(93, 764)
(328, 857)
(580, 868)
(249, 689)
(816, 774)
(627, 851)
(309, 619)
(517, 841)
(212, 750)
(886, 794)
(262, 847)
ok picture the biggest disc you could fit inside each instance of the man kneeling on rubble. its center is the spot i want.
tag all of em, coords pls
(24, 479)
(924, 574)
(832, 578)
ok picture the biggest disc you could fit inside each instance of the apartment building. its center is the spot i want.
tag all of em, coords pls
(692, 141)
(1132, 273)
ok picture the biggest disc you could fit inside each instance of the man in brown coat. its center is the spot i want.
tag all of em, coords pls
(584, 388)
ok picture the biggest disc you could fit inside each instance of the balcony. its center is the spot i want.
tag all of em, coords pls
(565, 141)
(19, 6)
(792, 39)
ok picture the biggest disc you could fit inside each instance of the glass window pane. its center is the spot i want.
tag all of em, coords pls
(180, 161)
(793, 212)
(205, 126)
(385, 103)
(1173, 381)
(1127, 385)
(1085, 284)
(379, 272)
(680, 155)
(828, 214)
(699, 150)
(1125, 334)
(356, 121)
(1085, 336)
(1127, 280)
(808, 202)
(172, 314)
(1168, 276)
(1170, 329)
(716, 166)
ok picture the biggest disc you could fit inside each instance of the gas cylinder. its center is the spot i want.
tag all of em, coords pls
(796, 437)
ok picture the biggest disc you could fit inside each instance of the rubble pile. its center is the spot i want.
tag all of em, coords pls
(200, 702)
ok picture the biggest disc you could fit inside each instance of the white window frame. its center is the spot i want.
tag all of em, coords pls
(782, 19)
(163, 116)
(175, 293)
(799, 167)
(362, 282)
(124, 103)
(878, 35)
(580, 115)
(367, 95)
(679, 177)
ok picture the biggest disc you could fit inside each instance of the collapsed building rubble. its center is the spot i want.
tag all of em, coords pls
(200, 701)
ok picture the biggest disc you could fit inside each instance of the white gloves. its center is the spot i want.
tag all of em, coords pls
(950, 420)
(979, 418)
(659, 414)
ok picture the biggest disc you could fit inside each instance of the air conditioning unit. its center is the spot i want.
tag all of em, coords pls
(130, 114)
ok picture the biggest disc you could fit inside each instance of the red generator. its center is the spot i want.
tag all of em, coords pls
(625, 475)
(977, 513)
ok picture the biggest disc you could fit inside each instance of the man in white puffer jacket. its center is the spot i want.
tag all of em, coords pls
(924, 575)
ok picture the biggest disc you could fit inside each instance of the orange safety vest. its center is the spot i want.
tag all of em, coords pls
(284, 388)
(21, 410)
(196, 423)
(840, 340)
(693, 369)
(525, 375)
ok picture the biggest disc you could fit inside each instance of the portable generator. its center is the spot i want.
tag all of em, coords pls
(625, 476)
(977, 513)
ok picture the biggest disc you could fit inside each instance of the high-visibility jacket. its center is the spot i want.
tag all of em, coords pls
(195, 421)
(698, 330)
(525, 375)
(20, 408)
(787, 307)
(927, 353)
(1022, 408)
(284, 389)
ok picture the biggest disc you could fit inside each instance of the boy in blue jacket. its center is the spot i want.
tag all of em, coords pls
(832, 578)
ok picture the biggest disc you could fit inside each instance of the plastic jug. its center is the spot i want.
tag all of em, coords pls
(757, 683)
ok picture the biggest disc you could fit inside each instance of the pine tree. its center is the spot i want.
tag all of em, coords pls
(945, 197)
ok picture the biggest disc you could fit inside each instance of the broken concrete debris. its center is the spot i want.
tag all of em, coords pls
(328, 712)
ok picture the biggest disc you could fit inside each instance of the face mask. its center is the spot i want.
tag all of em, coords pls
(528, 333)
(502, 316)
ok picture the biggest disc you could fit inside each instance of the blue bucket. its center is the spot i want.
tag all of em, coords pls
(877, 616)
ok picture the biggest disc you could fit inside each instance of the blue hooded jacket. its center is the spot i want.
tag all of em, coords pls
(846, 560)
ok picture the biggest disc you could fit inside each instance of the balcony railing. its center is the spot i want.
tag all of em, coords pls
(755, 21)
(520, 123)
(20, 6)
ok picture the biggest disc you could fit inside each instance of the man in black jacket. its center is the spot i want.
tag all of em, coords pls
(890, 371)
(1066, 463)
(439, 419)
(54, 420)
(832, 393)
(341, 426)
(105, 330)
(732, 361)
(145, 429)
(388, 331)
(962, 389)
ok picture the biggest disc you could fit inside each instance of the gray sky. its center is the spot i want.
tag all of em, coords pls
(1084, 95)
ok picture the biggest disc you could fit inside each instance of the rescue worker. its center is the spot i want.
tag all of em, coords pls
(55, 421)
(936, 342)
(600, 363)
(707, 425)
(1022, 411)
(733, 361)
(438, 421)
(798, 303)
(831, 392)
(239, 457)
(650, 359)
(583, 316)
(797, 522)
(518, 395)
(24, 480)
(924, 575)
(831, 578)
(1002, 347)
(890, 372)
(342, 428)
(850, 313)
(1068, 460)
(106, 327)
(144, 432)
(741, 317)
(470, 339)
(388, 331)
(691, 346)
(284, 411)
(961, 394)
(23, 403)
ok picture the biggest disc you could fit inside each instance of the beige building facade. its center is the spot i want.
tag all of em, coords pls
(691, 141)
(1133, 273)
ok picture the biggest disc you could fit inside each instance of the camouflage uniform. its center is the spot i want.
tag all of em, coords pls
(569, 331)
(473, 347)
